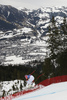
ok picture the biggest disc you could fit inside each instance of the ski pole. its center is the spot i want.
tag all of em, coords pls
(39, 76)
(32, 72)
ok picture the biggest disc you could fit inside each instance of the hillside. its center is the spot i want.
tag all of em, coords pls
(23, 32)
(51, 92)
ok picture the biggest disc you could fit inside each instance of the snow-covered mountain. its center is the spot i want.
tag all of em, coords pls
(23, 33)
(42, 16)
(10, 17)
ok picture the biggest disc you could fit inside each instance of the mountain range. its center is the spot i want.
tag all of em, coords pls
(23, 33)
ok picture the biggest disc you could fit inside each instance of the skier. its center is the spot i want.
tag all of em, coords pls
(29, 80)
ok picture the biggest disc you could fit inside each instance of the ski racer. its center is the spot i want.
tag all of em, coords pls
(29, 80)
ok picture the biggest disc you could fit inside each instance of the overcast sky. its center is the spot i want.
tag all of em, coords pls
(32, 4)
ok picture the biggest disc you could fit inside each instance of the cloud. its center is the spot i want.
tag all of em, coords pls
(34, 3)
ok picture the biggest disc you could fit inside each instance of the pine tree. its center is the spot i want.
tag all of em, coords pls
(54, 42)
(58, 46)
(21, 87)
(52, 28)
(64, 26)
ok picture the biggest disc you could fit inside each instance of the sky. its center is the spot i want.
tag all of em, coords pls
(34, 4)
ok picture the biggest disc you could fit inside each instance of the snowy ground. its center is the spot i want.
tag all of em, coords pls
(17, 48)
(56, 91)
(10, 87)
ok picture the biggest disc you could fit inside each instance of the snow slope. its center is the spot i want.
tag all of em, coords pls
(57, 91)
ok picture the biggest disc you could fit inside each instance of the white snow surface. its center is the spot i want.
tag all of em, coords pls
(7, 86)
(57, 91)
(15, 60)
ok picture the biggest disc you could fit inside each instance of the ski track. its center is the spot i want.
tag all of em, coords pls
(39, 95)
(53, 89)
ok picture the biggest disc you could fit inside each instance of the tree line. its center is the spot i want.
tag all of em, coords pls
(13, 72)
